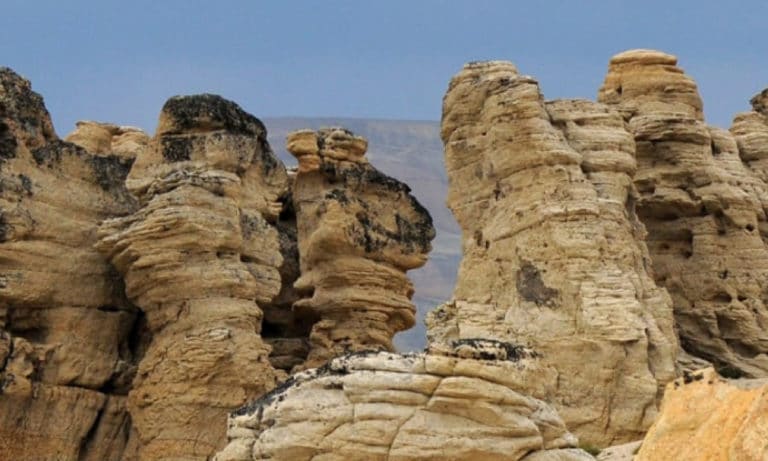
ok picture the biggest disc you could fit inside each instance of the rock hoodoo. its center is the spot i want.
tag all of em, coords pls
(359, 231)
(552, 249)
(197, 257)
(463, 402)
(702, 197)
(151, 286)
(67, 352)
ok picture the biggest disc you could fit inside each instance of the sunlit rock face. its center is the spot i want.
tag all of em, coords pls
(702, 198)
(359, 231)
(704, 416)
(198, 256)
(553, 255)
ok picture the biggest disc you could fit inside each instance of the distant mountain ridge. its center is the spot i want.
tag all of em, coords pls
(412, 152)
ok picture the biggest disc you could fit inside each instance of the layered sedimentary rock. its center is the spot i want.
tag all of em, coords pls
(464, 402)
(67, 342)
(197, 257)
(552, 249)
(750, 129)
(704, 417)
(702, 198)
(359, 231)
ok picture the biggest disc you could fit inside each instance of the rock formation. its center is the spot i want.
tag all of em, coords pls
(703, 200)
(107, 138)
(197, 257)
(67, 333)
(704, 417)
(552, 249)
(459, 403)
(359, 231)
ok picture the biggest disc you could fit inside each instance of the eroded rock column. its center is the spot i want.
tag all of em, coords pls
(359, 231)
(197, 257)
(703, 200)
(552, 249)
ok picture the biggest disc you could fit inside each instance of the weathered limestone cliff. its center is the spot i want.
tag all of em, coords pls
(552, 250)
(703, 199)
(704, 417)
(359, 231)
(464, 402)
(67, 336)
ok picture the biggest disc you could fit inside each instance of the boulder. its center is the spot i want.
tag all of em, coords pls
(461, 402)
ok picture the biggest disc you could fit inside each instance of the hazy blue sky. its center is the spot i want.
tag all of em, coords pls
(119, 61)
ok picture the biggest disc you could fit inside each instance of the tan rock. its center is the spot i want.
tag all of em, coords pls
(703, 209)
(359, 231)
(65, 354)
(704, 417)
(197, 257)
(65, 326)
(106, 138)
(443, 405)
(552, 249)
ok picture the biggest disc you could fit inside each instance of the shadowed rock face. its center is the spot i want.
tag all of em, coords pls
(68, 337)
(466, 401)
(359, 231)
(552, 249)
(197, 257)
(702, 197)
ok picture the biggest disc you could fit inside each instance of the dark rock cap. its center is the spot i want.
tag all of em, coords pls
(22, 111)
(207, 112)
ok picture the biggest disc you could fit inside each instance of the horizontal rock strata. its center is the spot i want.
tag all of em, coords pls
(552, 249)
(67, 352)
(197, 257)
(359, 231)
(702, 198)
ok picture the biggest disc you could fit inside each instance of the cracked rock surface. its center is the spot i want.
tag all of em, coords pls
(463, 402)
(66, 329)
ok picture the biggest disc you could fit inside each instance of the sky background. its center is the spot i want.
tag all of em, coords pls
(119, 61)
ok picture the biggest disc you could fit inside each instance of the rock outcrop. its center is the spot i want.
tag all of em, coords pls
(703, 199)
(197, 257)
(106, 138)
(465, 402)
(704, 417)
(359, 231)
(67, 333)
(552, 249)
